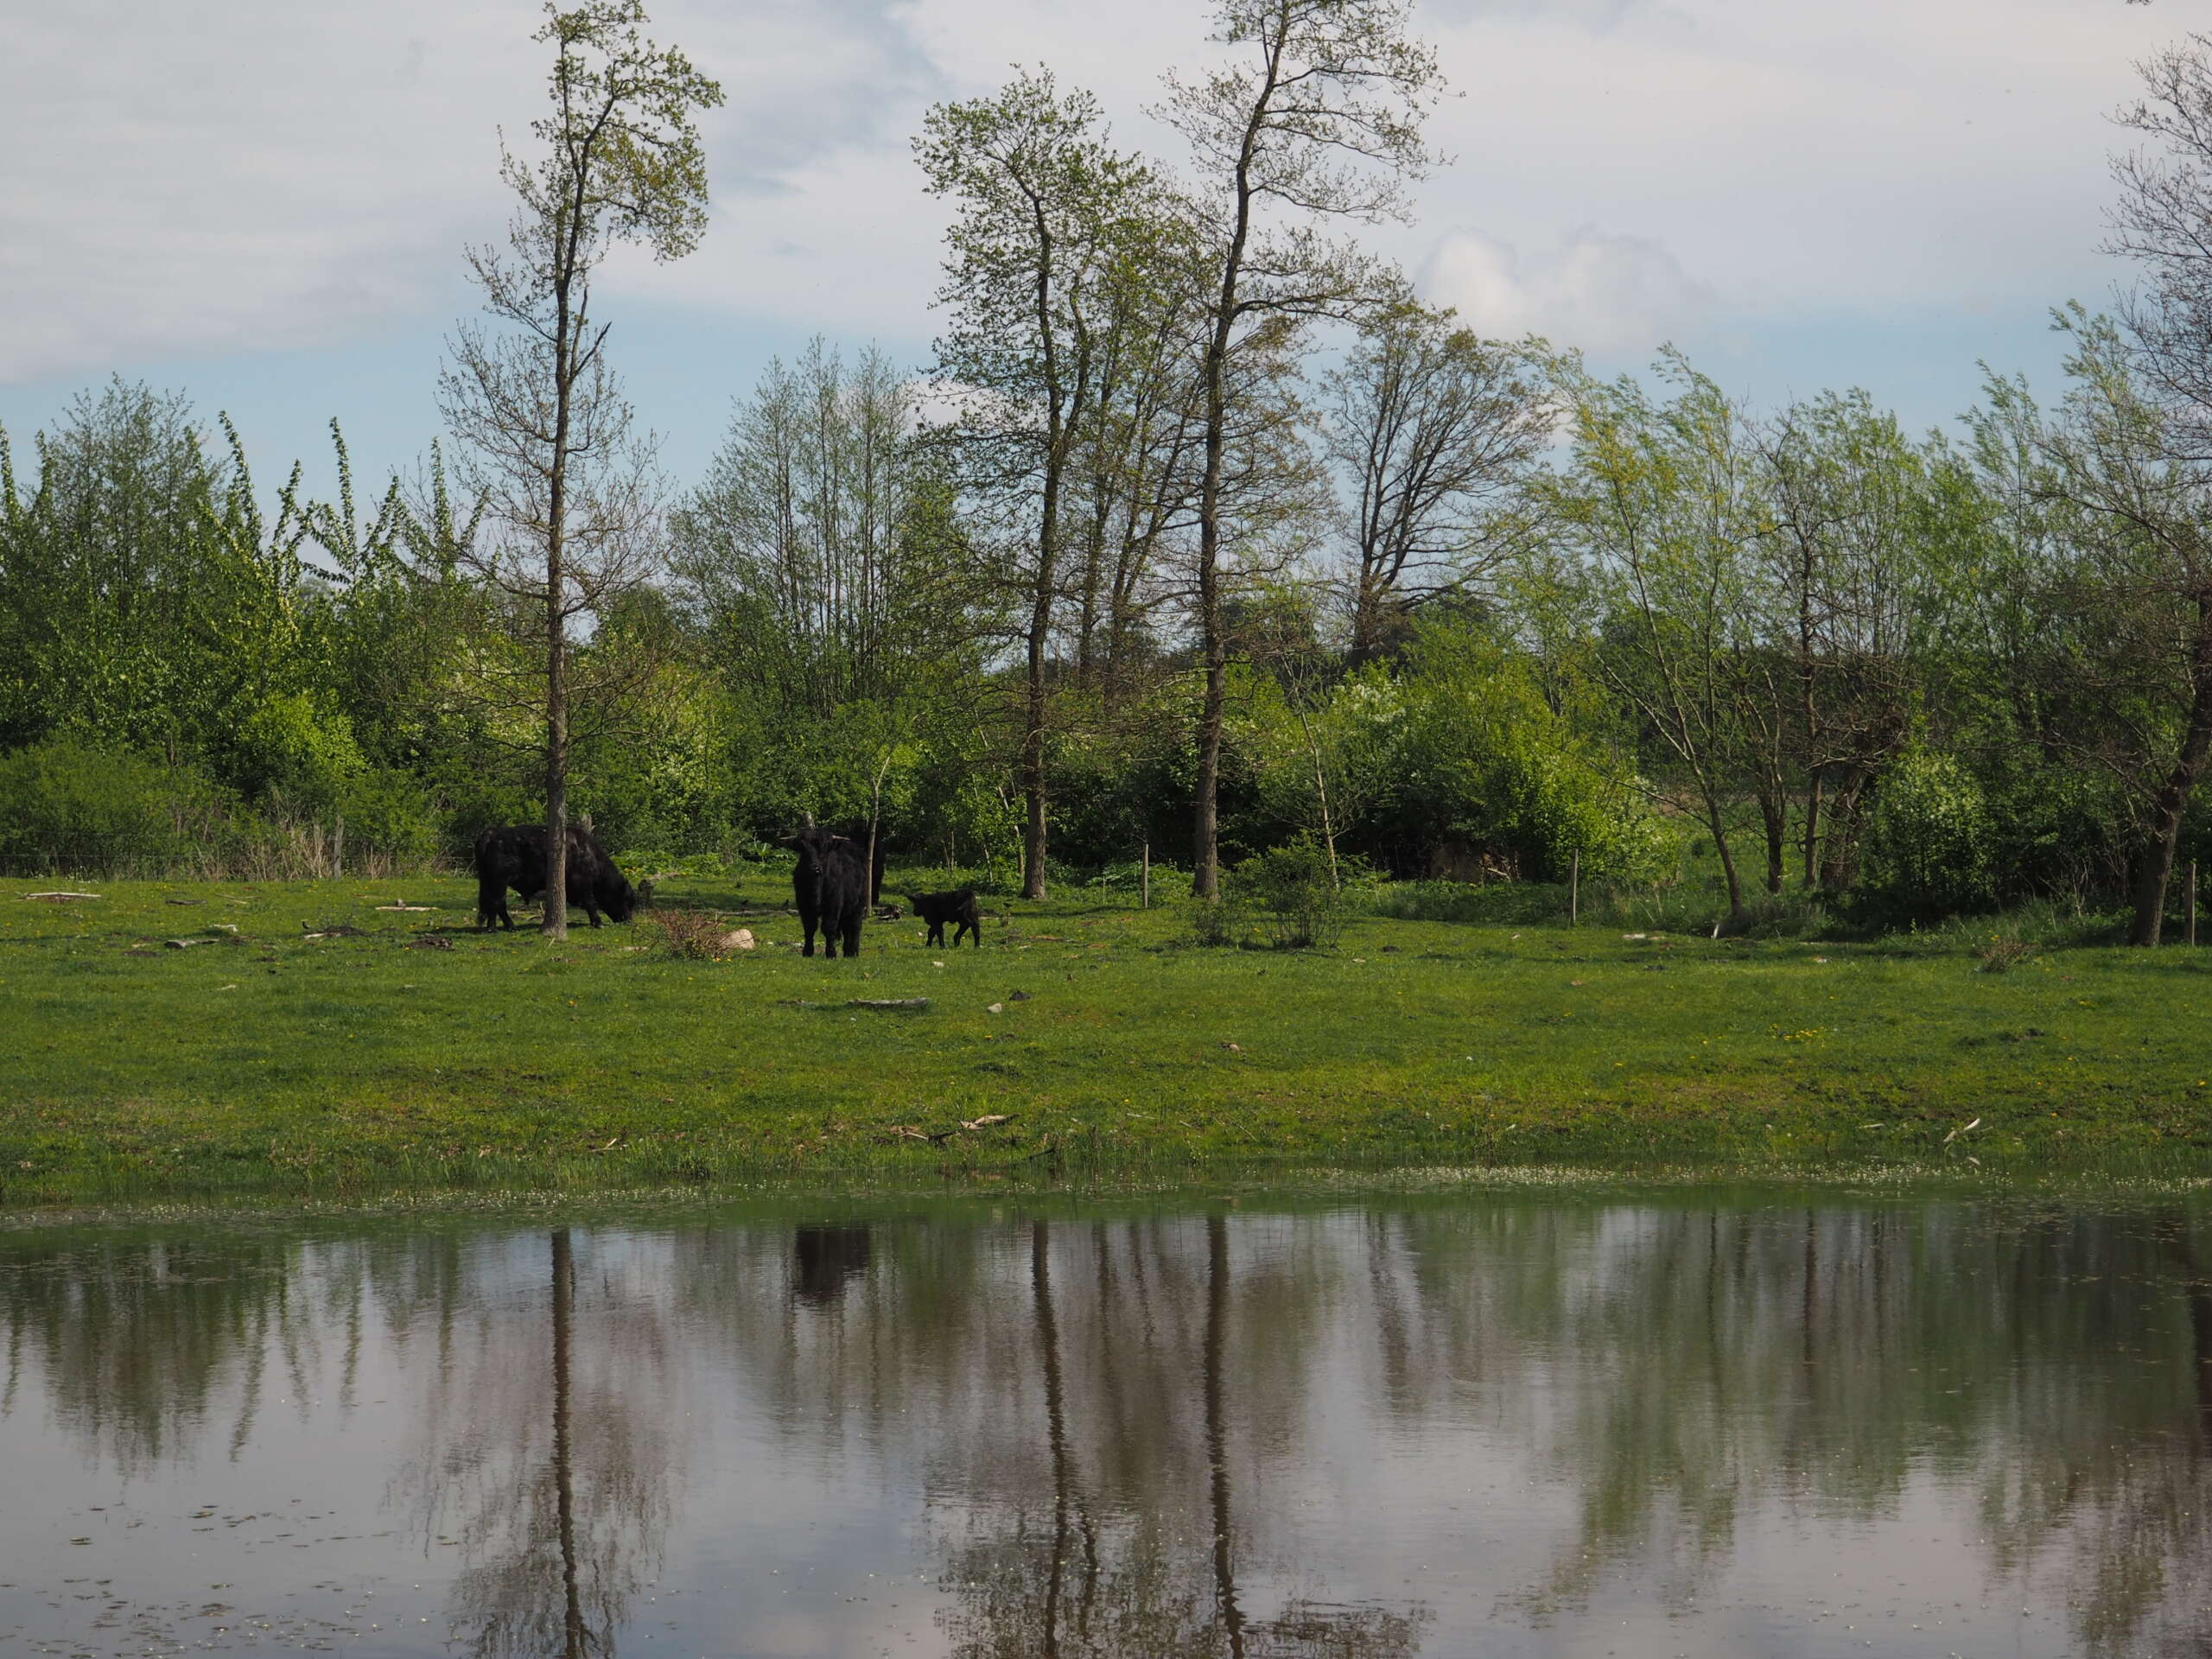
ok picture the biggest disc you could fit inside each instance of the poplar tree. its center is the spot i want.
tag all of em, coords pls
(570, 489)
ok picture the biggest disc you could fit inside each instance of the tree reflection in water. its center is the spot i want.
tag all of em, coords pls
(1104, 1578)
(1104, 1424)
(555, 1473)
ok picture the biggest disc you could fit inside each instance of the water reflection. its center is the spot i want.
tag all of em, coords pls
(827, 1256)
(1363, 1432)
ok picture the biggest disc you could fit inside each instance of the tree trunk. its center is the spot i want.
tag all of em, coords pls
(1205, 862)
(1774, 811)
(1217, 1428)
(553, 921)
(574, 1643)
(1321, 796)
(1812, 831)
(1034, 831)
(2154, 863)
(1728, 857)
(1206, 852)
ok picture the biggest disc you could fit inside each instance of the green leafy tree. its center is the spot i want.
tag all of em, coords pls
(1044, 221)
(1663, 514)
(1314, 117)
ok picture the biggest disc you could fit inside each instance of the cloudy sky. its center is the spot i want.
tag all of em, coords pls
(264, 202)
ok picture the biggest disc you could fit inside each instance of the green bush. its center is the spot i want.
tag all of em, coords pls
(1929, 841)
(66, 808)
(1219, 924)
(1290, 892)
(388, 815)
(291, 754)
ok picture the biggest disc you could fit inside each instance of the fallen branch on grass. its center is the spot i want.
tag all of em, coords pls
(908, 1132)
(56, 898)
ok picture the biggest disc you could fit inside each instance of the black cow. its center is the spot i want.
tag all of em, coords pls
(515, 857)
(831, 883)
(938, 908)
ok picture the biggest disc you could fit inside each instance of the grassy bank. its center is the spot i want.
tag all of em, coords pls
(268, 1062)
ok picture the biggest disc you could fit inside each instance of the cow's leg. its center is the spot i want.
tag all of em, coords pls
(852, 935)
(807, 922)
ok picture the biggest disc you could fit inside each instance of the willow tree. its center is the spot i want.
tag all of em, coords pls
(1314, 117)
(568, 485)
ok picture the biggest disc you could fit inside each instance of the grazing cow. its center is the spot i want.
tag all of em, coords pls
(938, 908)
(831, 887)
(515, 857)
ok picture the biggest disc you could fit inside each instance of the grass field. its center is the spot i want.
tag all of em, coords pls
(265, 1062)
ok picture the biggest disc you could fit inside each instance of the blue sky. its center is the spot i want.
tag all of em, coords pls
(264, 202)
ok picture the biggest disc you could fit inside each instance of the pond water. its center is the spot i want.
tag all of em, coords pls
(1508, 1424)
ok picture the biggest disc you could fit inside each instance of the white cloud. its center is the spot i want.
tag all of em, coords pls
(1617, 294)
(216, 178)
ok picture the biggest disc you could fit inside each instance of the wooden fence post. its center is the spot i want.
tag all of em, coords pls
(1147, 875)
(2192, 904)
(1574, 892)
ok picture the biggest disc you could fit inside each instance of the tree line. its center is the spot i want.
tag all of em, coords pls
(1201, 536)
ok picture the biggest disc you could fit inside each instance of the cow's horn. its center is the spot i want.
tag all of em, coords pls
(809, 820)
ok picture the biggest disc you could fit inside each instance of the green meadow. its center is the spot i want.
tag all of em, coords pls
(412, 1052)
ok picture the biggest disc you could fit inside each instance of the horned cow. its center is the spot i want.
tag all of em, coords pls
(831, 883)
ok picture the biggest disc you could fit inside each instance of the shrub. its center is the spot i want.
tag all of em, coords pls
(289, 750)
(67, 807)
(388, 817)
(1929, 841)
(1292, 894)
(1220, 923)
(2002, 952)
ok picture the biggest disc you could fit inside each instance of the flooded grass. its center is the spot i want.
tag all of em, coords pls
(1086, 1045)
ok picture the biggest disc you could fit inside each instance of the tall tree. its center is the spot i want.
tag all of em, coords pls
(1428, 427)
(1315, 117)
(570, 485)
(1043, 228)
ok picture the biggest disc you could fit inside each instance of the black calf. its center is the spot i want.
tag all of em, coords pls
(938, 908)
